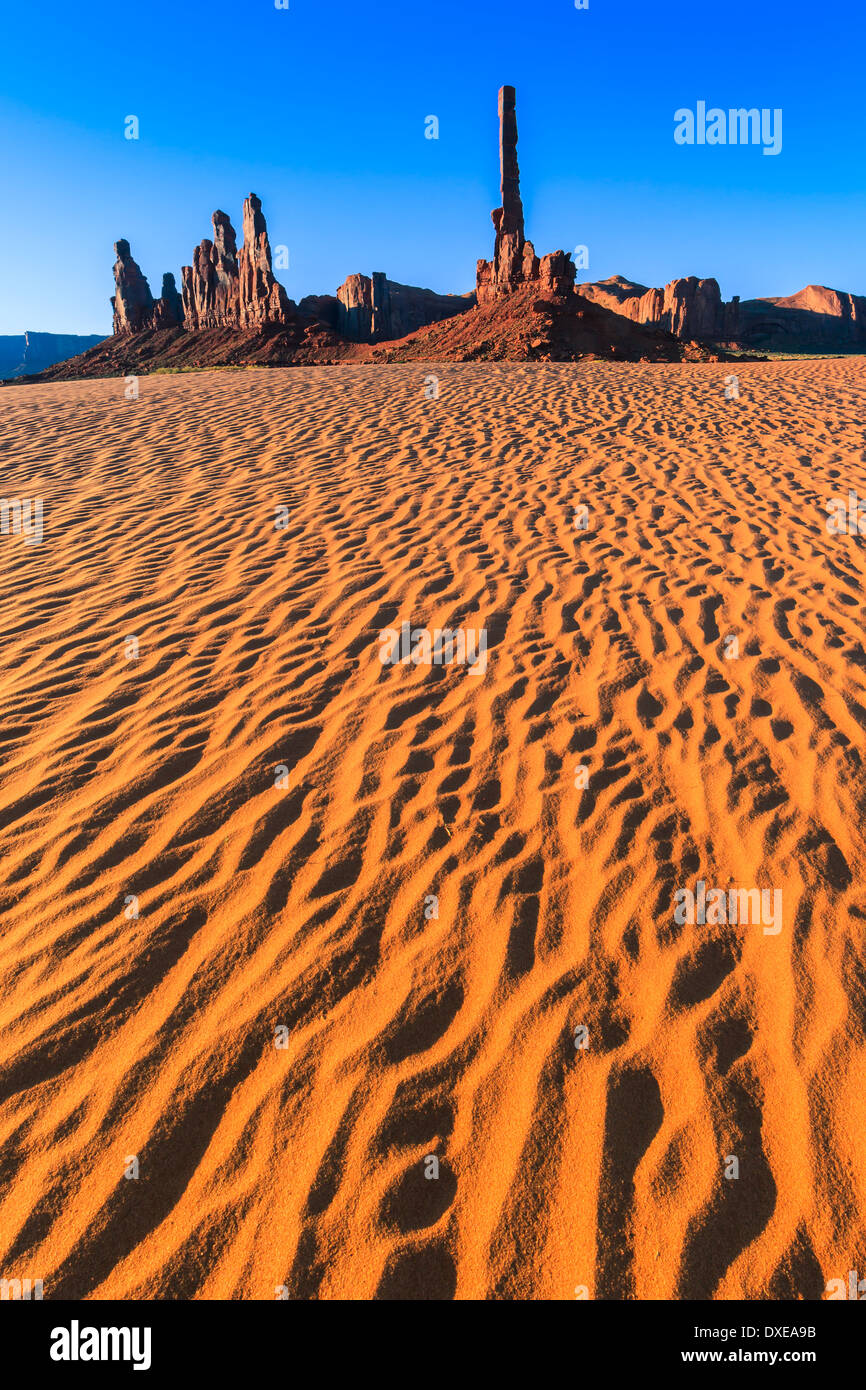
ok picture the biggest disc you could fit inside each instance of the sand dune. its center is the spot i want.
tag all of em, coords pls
(301, 906)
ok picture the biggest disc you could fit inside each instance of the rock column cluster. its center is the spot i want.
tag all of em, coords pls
(210, 284)
(227, 288)
(223, 288)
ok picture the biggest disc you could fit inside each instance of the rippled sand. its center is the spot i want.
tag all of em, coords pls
(148, 782)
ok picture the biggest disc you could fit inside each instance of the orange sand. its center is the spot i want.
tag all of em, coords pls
(303, 1166)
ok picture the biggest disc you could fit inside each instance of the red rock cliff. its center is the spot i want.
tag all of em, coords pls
(373, 309)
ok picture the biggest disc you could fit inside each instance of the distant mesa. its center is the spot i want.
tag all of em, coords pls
(817, 319)
(25, 354)
(231, 309)
(688, 308)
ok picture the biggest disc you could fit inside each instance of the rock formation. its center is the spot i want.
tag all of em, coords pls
(689, 308)
(373, 309)
(355, 307)
(24, 354)
(511, 257)
(819, 299)
(134, 307)
(524, 326)
(514, 261)
(132, 301)
(168, 309)
(223, 288)
(816, 319)
(525, 307)
(262, 298)
(228, 288)
(324, 307)
(210, 284)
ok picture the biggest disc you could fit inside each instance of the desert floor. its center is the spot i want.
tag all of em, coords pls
(234, 981)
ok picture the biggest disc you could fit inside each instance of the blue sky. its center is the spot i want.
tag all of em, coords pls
(320, 110)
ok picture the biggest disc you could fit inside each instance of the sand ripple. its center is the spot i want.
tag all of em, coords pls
(302, 906)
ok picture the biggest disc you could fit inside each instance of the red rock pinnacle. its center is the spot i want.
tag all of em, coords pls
(132, 301)
(262, 298)
(514, 260)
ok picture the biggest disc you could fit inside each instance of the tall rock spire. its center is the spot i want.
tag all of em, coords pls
(514, 260)
(511, 219)
(508, 220)
(262, 297)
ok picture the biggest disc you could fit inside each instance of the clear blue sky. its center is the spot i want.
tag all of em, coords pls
(320, 110)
